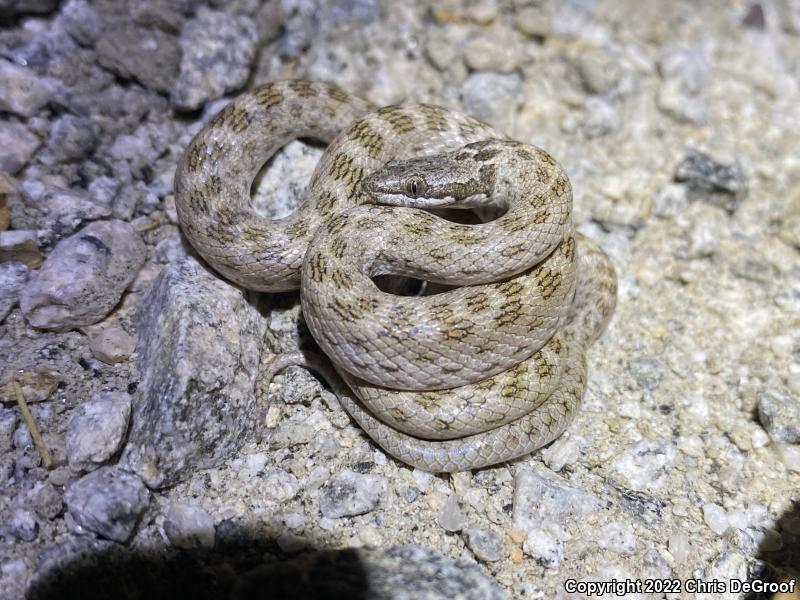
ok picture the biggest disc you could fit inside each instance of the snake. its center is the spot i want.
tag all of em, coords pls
(490, 367)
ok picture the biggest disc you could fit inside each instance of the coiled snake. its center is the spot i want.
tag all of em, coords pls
(456, 380)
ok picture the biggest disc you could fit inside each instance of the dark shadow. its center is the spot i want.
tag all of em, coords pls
(779, 564)
(242, 565)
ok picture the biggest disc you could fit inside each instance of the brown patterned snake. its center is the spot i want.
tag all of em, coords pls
(457, 380)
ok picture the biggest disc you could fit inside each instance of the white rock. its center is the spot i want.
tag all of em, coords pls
(716, 518)
(189, 526)
(96, 430)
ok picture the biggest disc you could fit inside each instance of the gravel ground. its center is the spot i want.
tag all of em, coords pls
(677, 124)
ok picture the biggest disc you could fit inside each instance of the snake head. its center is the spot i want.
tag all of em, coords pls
(431, 182)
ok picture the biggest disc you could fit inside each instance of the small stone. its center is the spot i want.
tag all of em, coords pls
(23, 524)
(37, 385)
(8, 424)
(599, 117)
(17, 146)
(679, 547)
(779, 413)
(10, 8)
(450, 517)
(280, 485)
(790, 456)
(535, 20)
(789, 230)
(600, 71)
(81, 21)
(148, 55)
(13, 277)
(189, 526)
(493, 97)
(218, 49)
(646, 467)
(20, 246)
(716, 518)
(350, 493)
(71, 139)
(546, 544)
(96, 430)
(22, 92)
(685, 73)
(617, 537)
(108, 502)
(84, 277)
(112, 345)
(711, 181)
(493, 50)
(485, 544)
(46, 500)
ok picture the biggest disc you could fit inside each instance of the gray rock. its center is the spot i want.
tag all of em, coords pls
(495, 49)
(8, 424)
(189, 526)
(17, 146)
(108, 502)
(779, 413)
(646, 466)
(711, 181)
(648, 372)
(112, 345)
(22, 91)
(23, 524)
(450, 517)
(492, 97)
(600, 70)
(198, 353)
(349, 493)
(96, 430)
(21, 7)
(58, 210)
(148, 55)
(45, 500)
(81, 21)
(13, 277)
(685, 74)
(218, 49)
(599, 117)
(84, 277)
(535, 21)
(71, 139)
(394, 573)
(20, 246)
(486, 544)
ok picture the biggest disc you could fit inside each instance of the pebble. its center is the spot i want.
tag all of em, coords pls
(23, 525)
(395, 572)
(681, 95)
(22, 92)
(8, 424)
(20, 246)
(716, 518)
(17, 146)
(21, 7)
(71, 139)
(112, 345)
(280, 485)
(599, 117)
(81, 21)
(779, 413)
(646, 466)
(534, 20)
(37, 385)
(494, 50)
(485, 544)
(217, 51)
(13, 277)
(493, 97)
(790, 456)
(97, 429)
(189, 526)
(349, 493)
(45, 500)
(618, 537)
(108, 502)
(711, 181)
(546, 544)
(599, 69)
(450, 517)
(84, 277)
(680, 547)
(148, 55)
(196, 401)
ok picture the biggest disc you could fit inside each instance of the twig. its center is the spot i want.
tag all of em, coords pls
(35, 434)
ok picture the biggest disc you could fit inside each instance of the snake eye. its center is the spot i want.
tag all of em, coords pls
(415, 187)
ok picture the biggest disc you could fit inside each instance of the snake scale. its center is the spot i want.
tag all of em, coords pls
(455, 380)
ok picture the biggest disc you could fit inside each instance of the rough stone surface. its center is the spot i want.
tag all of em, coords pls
(112, 345)
(707, 179)
(22, 92)
(13, 277)
(84, 277)
(17, 145)
(349, 493)
(198, 353)
(189, 526)
(20, 246)
(96, 430)
(779, 413)
(218, 49)
(395, 573)
(108, 502)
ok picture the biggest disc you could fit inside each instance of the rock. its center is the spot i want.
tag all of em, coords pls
(679, 546)
(218, 49)
(618, 537)
(599, 117)
(450, 517)
(277, 191)
(112, 345)
(13, 277)
(648, 372)
(715, 517)
(790, 456)
(97, 429)
(197, 351)
(20, 246)
(17, 146)
(789, 230)
(600, 70)
(189, 526)
(495, 49)
(394, 573)
(646, 467)
(545, 544)
(713, 182)
(81, 21)
(22, 91)
(36, 384)
(350, 493)
(84, 277)
(685, 73)
(8, 424)
(10, 8)
(71, 139)
(58, 210)
(45, 500)
(779, 413)
(23, 525)
(493, 97)
(486, 544)
(108, 502)
(535, 20)
(148, 55)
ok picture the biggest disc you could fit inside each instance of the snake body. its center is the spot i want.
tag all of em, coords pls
(457, 380)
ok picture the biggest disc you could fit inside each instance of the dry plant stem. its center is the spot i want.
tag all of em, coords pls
(38, 440)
